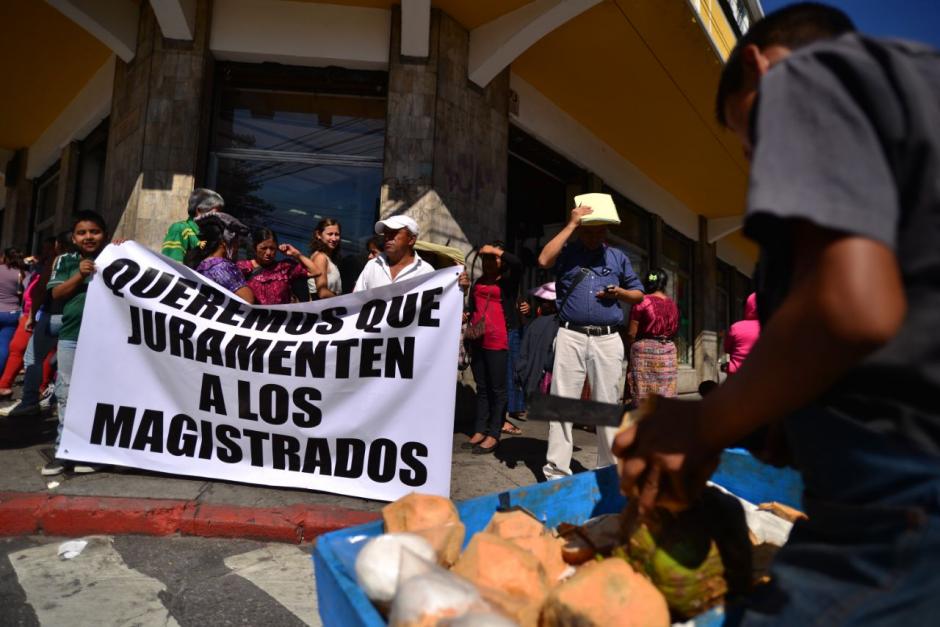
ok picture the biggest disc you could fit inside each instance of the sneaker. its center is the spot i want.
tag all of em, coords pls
(22, 411)
(47, 396)
(53, 468)
(86, 469)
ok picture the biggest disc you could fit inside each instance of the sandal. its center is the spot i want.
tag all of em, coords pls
(511, 429)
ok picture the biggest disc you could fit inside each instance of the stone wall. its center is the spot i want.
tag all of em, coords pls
(68, 185)
(446, 141)
(705, 306)
(19, 202)
(153, 140)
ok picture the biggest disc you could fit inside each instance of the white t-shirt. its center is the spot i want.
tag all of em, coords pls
(377, 274)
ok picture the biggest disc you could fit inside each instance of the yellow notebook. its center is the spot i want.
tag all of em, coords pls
(604, 210)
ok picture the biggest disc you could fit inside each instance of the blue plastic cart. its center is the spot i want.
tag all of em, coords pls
(574, 500)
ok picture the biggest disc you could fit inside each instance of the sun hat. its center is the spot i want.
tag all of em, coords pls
(603, 209)
(545, 291)
(397, 222)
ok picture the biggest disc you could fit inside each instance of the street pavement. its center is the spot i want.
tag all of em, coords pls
(147, 581)
(173, 580)
(24, 447)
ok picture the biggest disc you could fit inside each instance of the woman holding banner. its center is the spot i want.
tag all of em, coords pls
(213, 257)
(270, 280)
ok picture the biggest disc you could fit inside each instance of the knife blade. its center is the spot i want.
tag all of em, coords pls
(544, 407)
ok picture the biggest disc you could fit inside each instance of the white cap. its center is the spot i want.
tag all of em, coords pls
(397, 222)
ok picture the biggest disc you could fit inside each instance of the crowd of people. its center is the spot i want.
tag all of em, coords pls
(834, 368)
(569, 337)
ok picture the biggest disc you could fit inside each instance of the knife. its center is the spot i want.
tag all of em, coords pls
(544, 407)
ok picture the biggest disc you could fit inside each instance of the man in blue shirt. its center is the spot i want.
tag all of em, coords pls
(591, 280)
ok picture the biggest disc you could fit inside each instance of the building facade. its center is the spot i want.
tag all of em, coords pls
(481, 119)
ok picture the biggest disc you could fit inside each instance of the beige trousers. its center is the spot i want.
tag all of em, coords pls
(600, 359)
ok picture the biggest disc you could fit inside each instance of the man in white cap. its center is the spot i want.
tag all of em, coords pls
(398, 260)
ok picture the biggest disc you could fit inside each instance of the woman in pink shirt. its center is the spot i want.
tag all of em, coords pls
(742, 335)
(492, 301)
(653, 366)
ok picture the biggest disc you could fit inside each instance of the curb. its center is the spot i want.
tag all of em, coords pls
(23, 513)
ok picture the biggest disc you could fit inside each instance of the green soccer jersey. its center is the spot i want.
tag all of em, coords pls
(64, 267)
(180, 237)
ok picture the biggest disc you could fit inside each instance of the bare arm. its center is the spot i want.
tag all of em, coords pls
(553, 248)
(632, 329)
(828, 323)
(304, 260)
(628, 296)
(68, 288)
(319, 270)
(246, 294)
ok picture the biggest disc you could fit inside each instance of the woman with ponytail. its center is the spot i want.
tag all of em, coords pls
(214, 256)
(653, 367)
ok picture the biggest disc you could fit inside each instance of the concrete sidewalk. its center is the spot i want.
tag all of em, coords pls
(125, 500)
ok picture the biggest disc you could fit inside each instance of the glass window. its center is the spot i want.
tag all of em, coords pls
(285, 154)
(540, 186)
(291, 197)
(45, 199)
(677, 262)
(91, 169)
(635, 224)
(351, 126)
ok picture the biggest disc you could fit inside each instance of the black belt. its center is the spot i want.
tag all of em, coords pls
(590, 329)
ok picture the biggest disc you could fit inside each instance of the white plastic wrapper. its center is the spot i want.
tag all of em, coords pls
(766, 526)
(437, 593)
(476, 618)
(379, 561)
(412, 564)
(71, 549)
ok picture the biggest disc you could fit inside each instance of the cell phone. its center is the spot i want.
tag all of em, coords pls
(610, 288)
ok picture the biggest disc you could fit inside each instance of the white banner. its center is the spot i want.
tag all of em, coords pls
(353, 394)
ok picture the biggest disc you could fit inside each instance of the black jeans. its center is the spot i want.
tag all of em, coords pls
(868, 554)
(489, 372)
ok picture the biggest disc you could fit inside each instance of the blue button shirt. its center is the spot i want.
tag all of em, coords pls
(607, 266)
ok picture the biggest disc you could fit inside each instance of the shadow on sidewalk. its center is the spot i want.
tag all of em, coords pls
(531, 453)
(23, 432)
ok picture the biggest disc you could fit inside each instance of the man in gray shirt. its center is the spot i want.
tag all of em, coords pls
(843, 133)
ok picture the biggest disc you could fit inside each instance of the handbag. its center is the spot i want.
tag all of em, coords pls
(545, 382)
(463, 355)
(476, 330)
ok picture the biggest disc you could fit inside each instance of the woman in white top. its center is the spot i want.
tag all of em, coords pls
(325, 281)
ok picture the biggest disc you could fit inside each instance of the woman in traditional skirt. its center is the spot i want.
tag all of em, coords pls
(653, 324)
